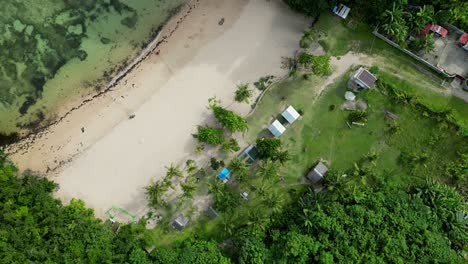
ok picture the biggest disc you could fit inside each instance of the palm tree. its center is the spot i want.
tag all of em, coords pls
(422, 17)
(274, 200)
(173, 170)
(239, 169)
(283, 156)
(268, 170)
(258, 220)
(154, 192)
(243, 93)
(394, 24)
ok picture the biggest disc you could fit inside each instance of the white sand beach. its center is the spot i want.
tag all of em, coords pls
(116, 157)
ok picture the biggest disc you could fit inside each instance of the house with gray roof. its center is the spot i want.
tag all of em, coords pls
(362, 79)
(180, 222)
(317, 173)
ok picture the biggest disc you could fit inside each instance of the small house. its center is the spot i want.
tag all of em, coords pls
(180, 222)
(251, 153)
(341, 11)
(290, 114)
(211, 213)
(438, 30)
(276, 128)
(463, 41)
(317, 173)
(224, 174)
(361, 80)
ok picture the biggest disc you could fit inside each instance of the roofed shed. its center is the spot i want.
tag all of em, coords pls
(224, 174)
(361, 80)
(180, 222)
(463, 41)
(341, 11)
(212, 214)
(290, 114)
(317, 173)
(436, 29)
(276, 128)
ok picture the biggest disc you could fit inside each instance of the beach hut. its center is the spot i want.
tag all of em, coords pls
(361, 80)
(180, 222)
(317, 173)
(224, 174)
(211, 213)
(250, 153)
(276, 128)
(290, 114)
(341, 11)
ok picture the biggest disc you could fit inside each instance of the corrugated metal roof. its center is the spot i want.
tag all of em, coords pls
(290, 114)
(276, 128)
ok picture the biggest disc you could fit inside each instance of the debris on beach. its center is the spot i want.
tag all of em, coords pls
(82, 129)
(221, 22)
(131, 116)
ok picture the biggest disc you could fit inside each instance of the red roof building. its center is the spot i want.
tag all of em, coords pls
(436, 29)
(463, 39)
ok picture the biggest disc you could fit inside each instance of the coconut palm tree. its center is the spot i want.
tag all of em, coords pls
(173, 170)
(239, 169)
(422, 17)
(268, 170)
(393, 22)
(274, 200)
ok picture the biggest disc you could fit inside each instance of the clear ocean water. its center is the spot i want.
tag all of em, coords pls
(52, 51)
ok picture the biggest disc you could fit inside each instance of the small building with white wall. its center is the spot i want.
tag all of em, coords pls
(290, 114)
(276, 128)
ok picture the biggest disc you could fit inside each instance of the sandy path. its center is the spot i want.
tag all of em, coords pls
(116, 157)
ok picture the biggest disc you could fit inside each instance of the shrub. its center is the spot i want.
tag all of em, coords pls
(320, 64)
(216, 164)
(209, 135)
(357, 116)
(307, 76)
(231, 145)
(229, 119)
(264, 82)
(374, 69)
(306, 39)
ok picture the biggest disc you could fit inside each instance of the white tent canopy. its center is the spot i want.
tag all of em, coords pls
(290, 114)
(350, 96)
(276, 128)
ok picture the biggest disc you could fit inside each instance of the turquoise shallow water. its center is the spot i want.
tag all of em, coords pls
(54, 50)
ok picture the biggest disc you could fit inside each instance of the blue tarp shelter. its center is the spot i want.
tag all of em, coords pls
(224, 174)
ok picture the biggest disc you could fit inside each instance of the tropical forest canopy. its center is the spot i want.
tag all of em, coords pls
(349, 223)
(374, 12)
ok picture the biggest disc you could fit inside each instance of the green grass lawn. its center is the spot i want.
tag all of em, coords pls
(323, 133)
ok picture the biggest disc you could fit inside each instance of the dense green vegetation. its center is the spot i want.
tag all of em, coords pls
(355, 224)
(373, 12)
(35, 227)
